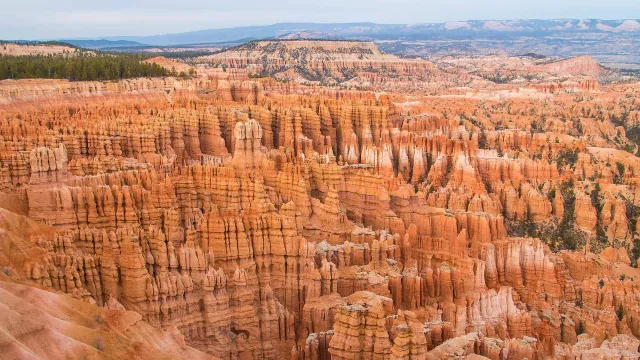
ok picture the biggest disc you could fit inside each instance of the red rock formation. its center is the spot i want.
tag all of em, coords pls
(312, 61)
(261, 219)
(577, 66)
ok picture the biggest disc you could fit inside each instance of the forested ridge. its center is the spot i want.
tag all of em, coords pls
(80, 67)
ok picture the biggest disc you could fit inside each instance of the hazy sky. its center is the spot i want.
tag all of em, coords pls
(49, 19)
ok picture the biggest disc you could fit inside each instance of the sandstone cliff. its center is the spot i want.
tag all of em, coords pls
(349, 63)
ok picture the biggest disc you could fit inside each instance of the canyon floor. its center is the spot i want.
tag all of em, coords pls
(316, 200)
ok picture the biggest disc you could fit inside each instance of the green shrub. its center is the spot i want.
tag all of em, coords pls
(595, 199)
(619, 177)
(620, 313)
(567, 157)
(482, 140)
(537, 126)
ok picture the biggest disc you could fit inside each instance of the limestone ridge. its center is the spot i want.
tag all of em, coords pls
(327, 62)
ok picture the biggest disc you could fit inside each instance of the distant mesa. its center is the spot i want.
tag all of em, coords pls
(577, 66)
(102, 43)
(17, 49)
(626, 26)
(453, 25)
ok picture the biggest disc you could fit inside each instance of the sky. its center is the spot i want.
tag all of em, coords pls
(58, 19)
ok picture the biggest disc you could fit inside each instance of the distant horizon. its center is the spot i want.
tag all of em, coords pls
(124, 37)
(90, 19)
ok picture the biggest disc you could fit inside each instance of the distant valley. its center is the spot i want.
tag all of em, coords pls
(614, 43)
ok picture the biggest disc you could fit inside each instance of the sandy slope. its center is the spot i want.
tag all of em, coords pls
(37, 324)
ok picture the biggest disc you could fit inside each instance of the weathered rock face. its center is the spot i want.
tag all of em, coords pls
(257, 219)
(359, 330)
(327, 62)
(54, 326)
(577, 66)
